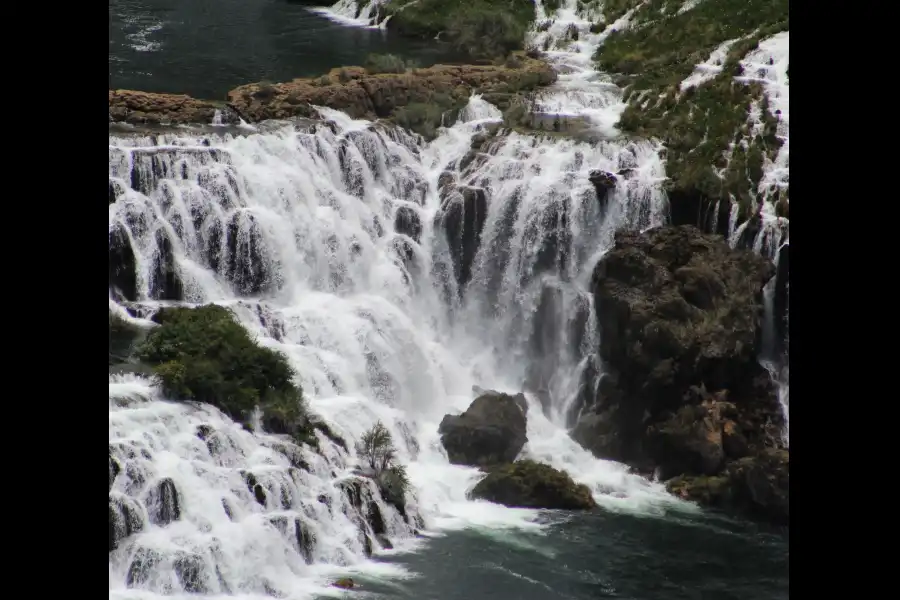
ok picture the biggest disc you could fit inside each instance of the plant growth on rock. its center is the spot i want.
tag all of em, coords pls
(477, 29)
(204, 354)
(712, 152)
(680, 315)
(376, 449)
(530, 484)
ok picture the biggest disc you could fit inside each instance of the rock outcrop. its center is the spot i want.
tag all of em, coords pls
(680, 316)
(135, 107)
(529, 484)
(491, 431)
(362, 94)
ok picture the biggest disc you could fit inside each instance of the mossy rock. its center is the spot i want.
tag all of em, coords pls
(123, 337)
(756, 486)
(204, 354)
(530, 484)
(699, 125)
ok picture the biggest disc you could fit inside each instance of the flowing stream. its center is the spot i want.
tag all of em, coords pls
(395, 275)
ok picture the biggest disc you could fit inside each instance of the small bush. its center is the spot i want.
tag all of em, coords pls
(204, 354)
(387, 63)
(376, 450)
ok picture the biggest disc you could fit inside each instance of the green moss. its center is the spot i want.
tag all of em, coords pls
(702, 125)
(426, 117)
(388, 63)
(614, 9)
(376, 449)
(475, 28)
(204, 354)
(530, 484)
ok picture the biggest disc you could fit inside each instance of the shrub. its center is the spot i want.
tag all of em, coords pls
(376, 449)
(387, 63)
(204, 354)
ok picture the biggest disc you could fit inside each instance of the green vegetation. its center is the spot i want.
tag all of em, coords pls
(388, 63)
(477, 29)
(204, 354)
(530, 484)
(426, 117)
(376, 449)
(703, 125)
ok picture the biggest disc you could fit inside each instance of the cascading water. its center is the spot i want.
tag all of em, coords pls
(394, 275)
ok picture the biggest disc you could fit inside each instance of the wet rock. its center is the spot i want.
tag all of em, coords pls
(122, 264)
(306, 540)
(364, 95)
(384, 542)
(124, 519)
(259, 492)
(324, 429)
(191, 573)
(603, 182)
(114, 469)
(407, 222)
(680, 317)
(491, 431)
(676, 309)
(344, 583)
(142, 565)
(755, 485)
(164, 503)
(781, 300)
(529, 484)
(164, 109)
(248, 266)
(462, 218)
(165, 282)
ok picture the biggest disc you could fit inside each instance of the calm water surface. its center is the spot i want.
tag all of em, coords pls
(599, 555)
(206, 47)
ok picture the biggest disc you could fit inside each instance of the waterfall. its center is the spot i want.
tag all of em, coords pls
(394, 275)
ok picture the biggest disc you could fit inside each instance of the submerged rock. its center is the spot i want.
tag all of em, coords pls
(529, 484)
(491, 431)
(344, 583)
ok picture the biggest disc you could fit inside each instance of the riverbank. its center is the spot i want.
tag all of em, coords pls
(414, 98)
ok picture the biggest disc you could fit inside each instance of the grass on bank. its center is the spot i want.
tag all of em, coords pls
(661, 49)
(204, 354)
(477, 29)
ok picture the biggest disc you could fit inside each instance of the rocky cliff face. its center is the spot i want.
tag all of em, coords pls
(680, 317)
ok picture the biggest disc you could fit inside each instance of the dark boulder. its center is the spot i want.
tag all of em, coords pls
(462, 217)
(683, 394)
(407, 222)
(529, 484)
(756, 485)
(165, 281)
(491, 431)
(164, 502)
(122, 264)
(676, 308)
(603, 182)
(125, 519)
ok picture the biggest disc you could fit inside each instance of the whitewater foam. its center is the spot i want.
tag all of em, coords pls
(293, 227)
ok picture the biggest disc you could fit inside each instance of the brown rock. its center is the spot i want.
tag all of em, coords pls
(364, 95)
(162, 109)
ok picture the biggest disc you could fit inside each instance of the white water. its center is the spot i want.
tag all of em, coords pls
(710, 68)
(372, 336)
(774, 230)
